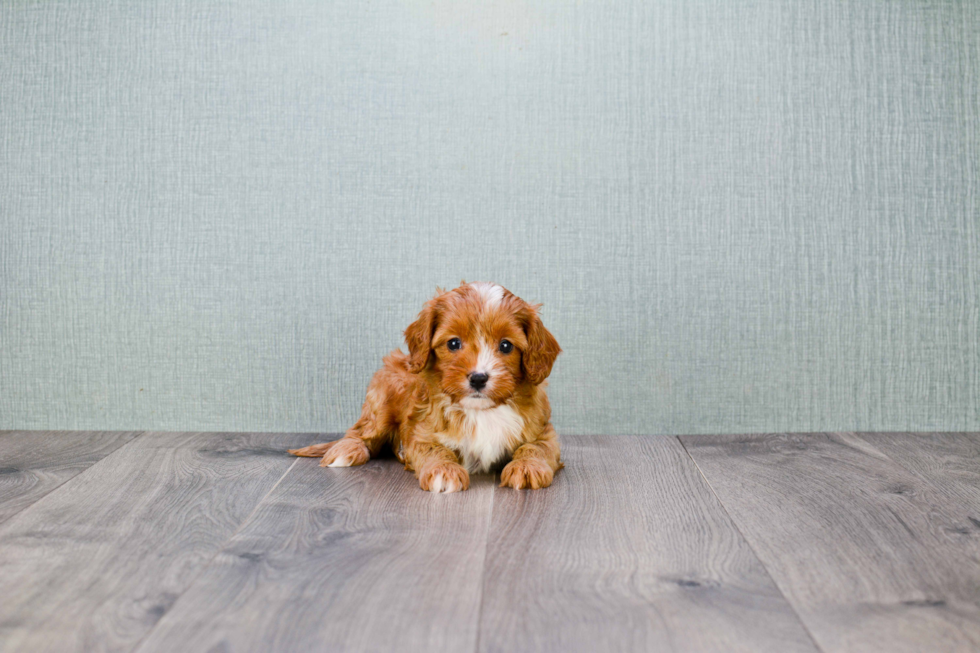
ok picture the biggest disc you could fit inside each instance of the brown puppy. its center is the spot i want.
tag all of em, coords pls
(469, 395)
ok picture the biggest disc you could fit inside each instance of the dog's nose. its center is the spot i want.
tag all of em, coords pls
(478, 380)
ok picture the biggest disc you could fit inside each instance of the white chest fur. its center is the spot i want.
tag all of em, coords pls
(485, 437)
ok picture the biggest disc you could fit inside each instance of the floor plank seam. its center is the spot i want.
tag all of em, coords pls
(871, 534)
(748, 543)
(70, 479)
(483, 578)
(217, 551)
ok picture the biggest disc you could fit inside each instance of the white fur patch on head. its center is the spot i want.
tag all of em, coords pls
(489, 435)
(486, 362)
(490, 293)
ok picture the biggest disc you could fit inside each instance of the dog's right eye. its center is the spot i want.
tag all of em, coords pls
(454, 344)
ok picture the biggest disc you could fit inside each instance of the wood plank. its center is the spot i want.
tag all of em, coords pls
(950, 462)
(864, 550)
(353, 559)
(628, 550)
(93, 565)
(33, 463)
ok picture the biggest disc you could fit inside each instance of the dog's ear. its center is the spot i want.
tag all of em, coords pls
(542, 348)
(418, 335)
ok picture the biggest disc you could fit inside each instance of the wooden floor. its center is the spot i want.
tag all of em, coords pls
(221, 542)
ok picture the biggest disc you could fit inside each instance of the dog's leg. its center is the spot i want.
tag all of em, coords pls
(314, 450)
(357, 446)
(361, 442)
(533, 464)
(437, 468)
(346, 452)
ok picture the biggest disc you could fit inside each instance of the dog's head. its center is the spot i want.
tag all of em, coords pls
(481, 342)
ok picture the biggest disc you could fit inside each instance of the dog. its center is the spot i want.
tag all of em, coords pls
(469, 395)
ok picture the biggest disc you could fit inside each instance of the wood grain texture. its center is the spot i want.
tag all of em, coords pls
(33, 463)
(871, 556)
(950, 462)
(628, 550)
(93, 565)
(212, 542)
(353, 559)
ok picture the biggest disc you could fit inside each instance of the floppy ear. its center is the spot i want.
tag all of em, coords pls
(418, 335)
(542, 348)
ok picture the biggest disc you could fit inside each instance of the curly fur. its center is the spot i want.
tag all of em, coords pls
(439, 424)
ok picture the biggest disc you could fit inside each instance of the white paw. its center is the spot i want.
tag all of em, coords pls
(440, 483)
(342, 461)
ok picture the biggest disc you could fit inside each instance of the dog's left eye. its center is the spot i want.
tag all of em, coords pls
(454, 344)
(506, 346)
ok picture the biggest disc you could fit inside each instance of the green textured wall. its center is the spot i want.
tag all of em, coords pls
(758, 216)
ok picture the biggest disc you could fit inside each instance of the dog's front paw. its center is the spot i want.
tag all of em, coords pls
(526, 473)
(444, 477)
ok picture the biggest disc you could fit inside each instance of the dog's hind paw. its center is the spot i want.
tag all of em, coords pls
(348, 452)
(314, 450)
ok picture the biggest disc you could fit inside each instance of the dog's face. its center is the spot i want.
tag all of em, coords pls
(481, 342)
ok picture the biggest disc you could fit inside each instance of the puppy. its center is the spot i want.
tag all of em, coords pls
(469, 395)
